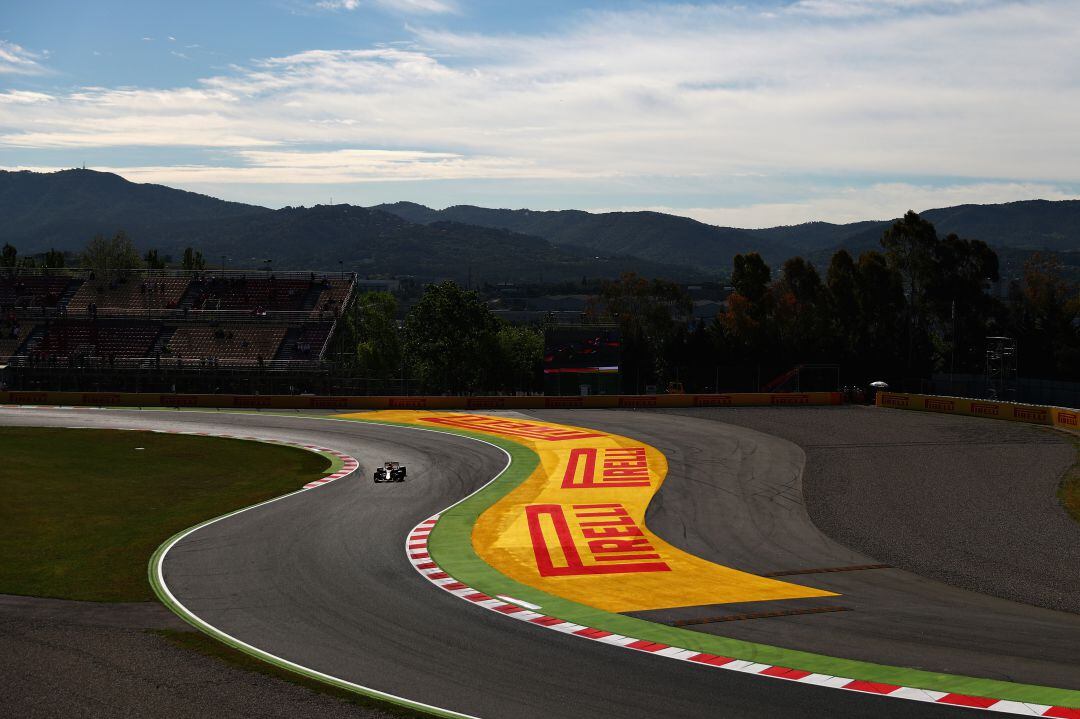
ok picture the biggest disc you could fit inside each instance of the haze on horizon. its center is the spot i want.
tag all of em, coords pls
(749, 114)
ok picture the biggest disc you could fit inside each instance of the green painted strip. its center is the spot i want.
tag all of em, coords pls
(450, 545)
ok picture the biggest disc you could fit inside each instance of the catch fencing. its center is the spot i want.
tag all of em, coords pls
(315, 402)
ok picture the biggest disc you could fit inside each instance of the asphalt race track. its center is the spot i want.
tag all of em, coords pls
(321, 578)
(734, 497)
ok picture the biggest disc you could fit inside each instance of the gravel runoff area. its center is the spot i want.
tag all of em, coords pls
(950, 498)
(104, 661)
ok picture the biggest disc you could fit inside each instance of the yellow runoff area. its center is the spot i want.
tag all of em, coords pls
(575, 528)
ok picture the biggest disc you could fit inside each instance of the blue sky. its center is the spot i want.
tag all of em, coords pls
(747, 114)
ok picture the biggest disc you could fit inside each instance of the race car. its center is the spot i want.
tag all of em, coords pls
(390, 472)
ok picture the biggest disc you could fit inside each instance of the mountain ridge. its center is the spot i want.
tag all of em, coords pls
(64, 209)
(78, 204)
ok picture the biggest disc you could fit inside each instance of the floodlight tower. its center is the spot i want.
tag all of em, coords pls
(1001, 368)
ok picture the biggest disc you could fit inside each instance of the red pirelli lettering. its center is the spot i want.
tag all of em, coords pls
(606, 555)
(510, 427)
(621, 467)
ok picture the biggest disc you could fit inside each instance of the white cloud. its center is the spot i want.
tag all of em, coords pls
(17, 60)
(412, 7)
(24, 97)
(865, 8)
(984, 90)
(337, 167)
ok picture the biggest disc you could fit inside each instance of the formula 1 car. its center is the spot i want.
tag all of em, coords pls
(390, 472)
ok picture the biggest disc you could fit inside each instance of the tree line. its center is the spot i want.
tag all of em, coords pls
(449, 342)
(109, 256)
(922, 305)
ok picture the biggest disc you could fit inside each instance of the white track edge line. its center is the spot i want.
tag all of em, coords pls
(197, 621)
(429, 524)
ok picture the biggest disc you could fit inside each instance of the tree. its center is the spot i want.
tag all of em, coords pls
(378, 341)
(9, 256)
(798, 314)
(880, 334)
(650, 314)
(1045, 318)
(153, 260)
(962, 313)
(521, 352)
(451, 339)
(111, 259)
(54, 259)
(750, 277)
(910, 248)
(841, 282)
(193, 260)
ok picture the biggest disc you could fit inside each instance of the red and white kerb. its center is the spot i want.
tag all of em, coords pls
(417, 550)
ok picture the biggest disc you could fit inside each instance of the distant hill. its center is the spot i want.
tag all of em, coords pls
(1029, 225)
(649, 235)
(370, 241)
(64, 209)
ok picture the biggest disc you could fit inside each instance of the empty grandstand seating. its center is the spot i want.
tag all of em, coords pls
(305, 343)
(136, 292)
(26, 290)
(101, 338)
(332, 299)
(12, 334)
(226, 344)
(254, 294)
(170, 330)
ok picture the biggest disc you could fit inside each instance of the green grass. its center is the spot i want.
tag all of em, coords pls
(207, 646)
(83, 509)
(1069, 490)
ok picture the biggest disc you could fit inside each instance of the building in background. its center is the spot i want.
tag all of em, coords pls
(581, 359)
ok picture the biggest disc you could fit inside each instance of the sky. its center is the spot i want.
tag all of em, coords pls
(751, 114)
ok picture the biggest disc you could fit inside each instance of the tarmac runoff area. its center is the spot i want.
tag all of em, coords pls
(971, 501)
(321, 578)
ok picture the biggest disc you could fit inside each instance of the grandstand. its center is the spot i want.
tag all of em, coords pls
(225, 344)
(305, 342)
(164, 329)
(129, 294)
(69, 339)
(24, 291)
(13, 334)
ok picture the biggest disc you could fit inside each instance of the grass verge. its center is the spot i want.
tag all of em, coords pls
(207, 646)
(84, 508)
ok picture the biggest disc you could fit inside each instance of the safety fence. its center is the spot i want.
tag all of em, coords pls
(1061, 417)
(314, 402)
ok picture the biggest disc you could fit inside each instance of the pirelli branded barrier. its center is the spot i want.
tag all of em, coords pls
(308, 402)
(1061, 417)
